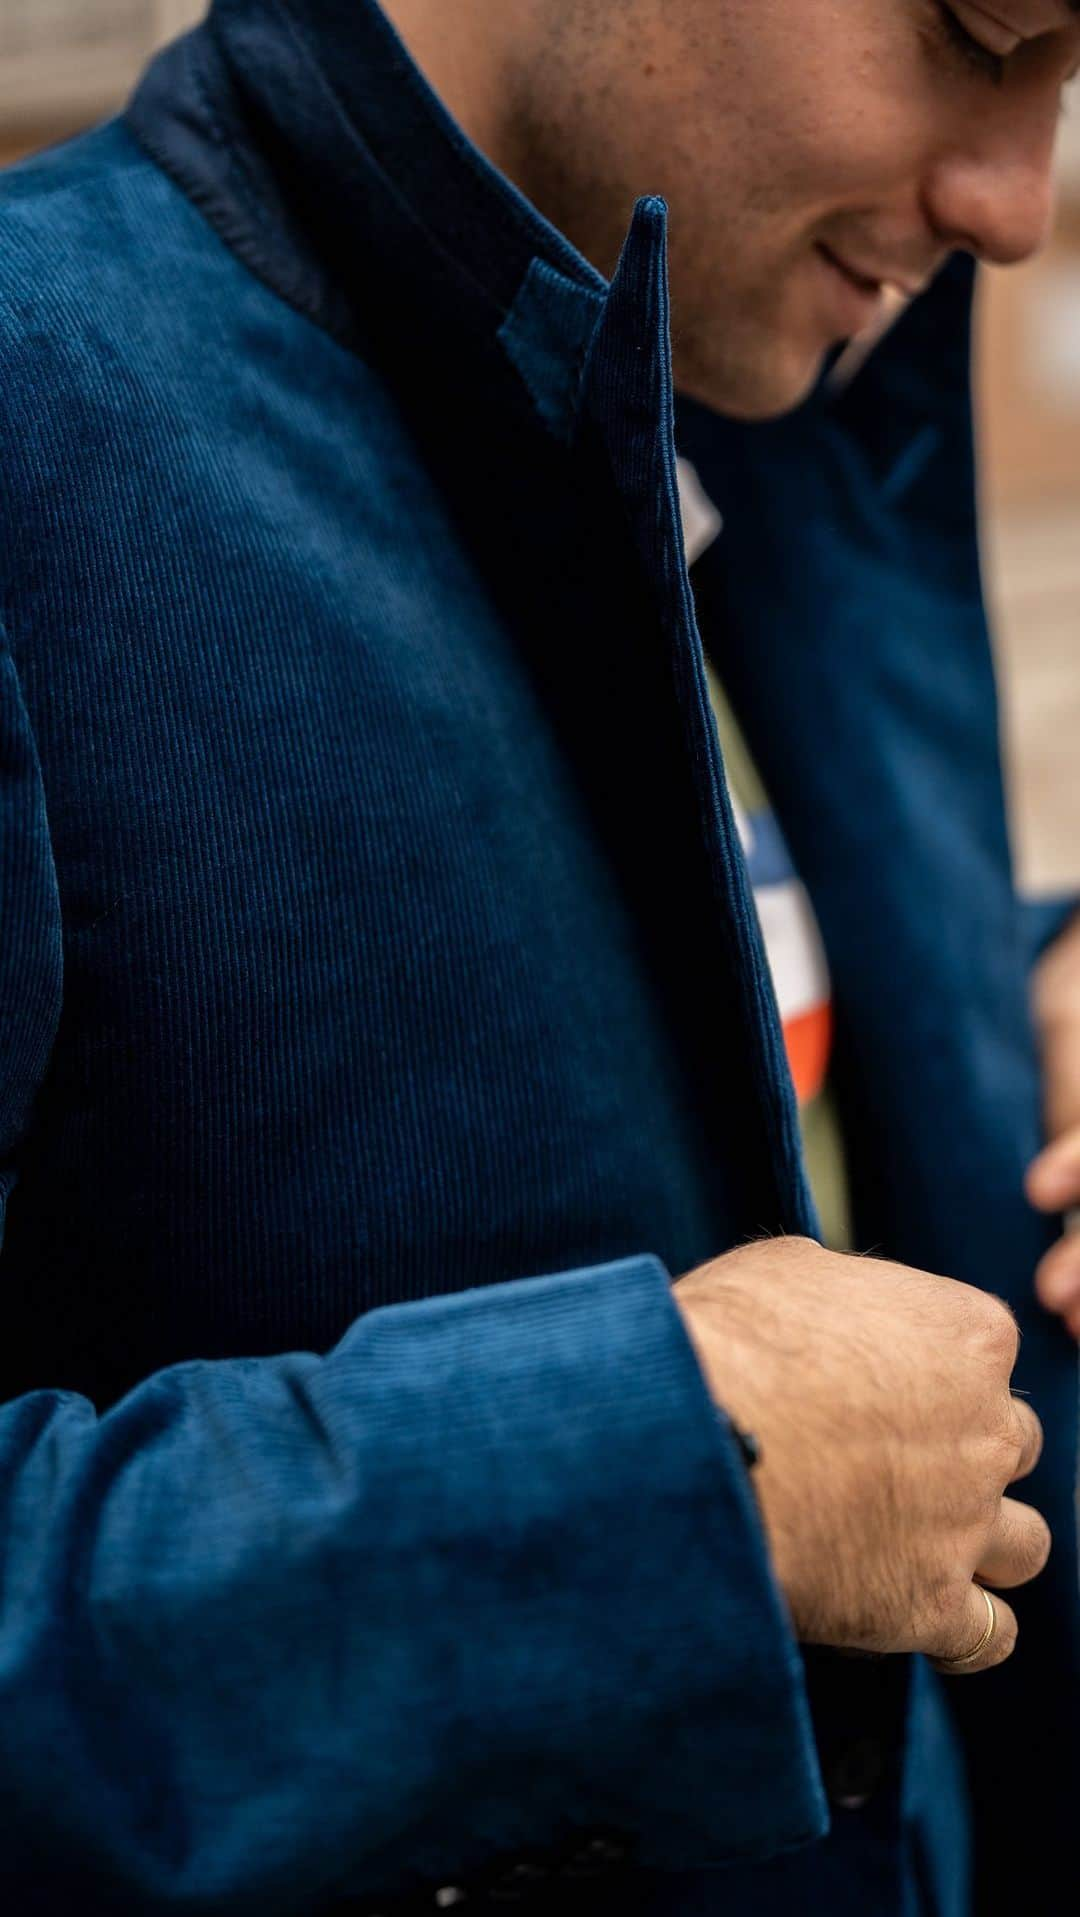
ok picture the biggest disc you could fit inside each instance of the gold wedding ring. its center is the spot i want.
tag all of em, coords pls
(954, 1663)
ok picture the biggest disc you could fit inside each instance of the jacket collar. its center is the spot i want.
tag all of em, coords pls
(310, 139)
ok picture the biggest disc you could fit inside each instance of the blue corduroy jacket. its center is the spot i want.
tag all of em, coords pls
(384, 1023)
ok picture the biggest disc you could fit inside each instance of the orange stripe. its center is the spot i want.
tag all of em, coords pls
(809, 1042)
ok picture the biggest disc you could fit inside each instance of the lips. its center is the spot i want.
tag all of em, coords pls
(874, 283)
(866, 282)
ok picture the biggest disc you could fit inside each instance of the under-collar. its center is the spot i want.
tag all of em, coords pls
(308, 136)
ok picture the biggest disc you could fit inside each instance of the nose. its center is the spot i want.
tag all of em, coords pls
(995, 196)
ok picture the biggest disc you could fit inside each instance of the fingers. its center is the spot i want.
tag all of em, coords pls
(1016, 1551)
(1029, 1435)
(1052, 1180)
(1052, 1184)
(1017, 1548)
(967, 1627)
(1057, 1280)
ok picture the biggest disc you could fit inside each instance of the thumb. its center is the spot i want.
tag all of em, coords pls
(1052, 1180)
(1059, 1046)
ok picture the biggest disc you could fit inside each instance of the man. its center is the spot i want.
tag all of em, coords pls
(385, 1016)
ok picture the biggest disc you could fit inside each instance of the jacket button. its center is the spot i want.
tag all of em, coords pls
(855, 1773)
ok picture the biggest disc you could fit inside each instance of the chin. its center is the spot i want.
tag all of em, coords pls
(762, 388)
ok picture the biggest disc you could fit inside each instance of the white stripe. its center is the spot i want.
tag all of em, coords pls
(701, 522)
(793, 942)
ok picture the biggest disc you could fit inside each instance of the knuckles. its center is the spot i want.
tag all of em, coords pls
(997, 1331)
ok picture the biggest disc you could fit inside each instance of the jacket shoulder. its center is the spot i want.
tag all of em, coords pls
(81, 197)
(84, 218)
(109, 273)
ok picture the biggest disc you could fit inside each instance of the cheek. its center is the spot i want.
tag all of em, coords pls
(761, 133)
(840, 110)
(860, 160)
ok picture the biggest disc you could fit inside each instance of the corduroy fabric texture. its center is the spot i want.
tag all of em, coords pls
(323, 991)
(381, 938)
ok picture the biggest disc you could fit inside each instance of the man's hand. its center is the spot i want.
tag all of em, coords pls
(888, 1436)
(1053, 1178)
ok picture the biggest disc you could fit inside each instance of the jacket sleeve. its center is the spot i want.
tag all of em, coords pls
(488, 1574)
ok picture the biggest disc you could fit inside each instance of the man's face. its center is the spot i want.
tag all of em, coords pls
(794, 139)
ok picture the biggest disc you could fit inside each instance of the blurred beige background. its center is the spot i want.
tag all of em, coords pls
(65, 63)
(1029, 364)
